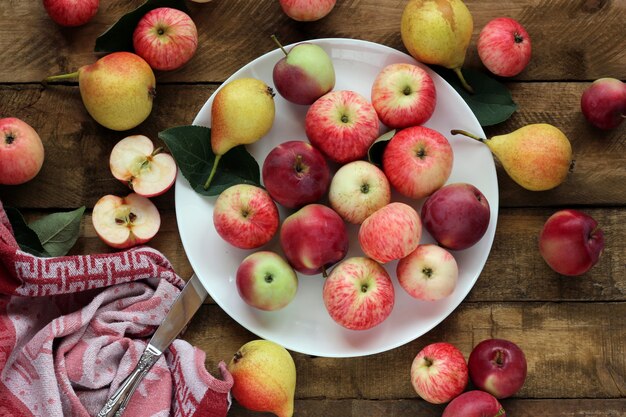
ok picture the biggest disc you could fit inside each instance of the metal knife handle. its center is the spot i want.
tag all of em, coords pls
(115, 406)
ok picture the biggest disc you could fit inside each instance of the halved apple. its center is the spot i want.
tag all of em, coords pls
(122, 222)
(146, 170)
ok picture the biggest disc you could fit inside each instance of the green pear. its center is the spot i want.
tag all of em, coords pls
(264, 376)
(536, 156)
(438, 32)
(242, 113)
(117, 90)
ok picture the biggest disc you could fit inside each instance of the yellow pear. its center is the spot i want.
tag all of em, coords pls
(264, 376)
(438, 32)
(117, 90)
(242, 113)
(536, 156)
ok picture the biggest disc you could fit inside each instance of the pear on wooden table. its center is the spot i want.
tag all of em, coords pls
(242, 113)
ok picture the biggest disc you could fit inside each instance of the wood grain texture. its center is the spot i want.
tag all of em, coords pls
(573, 350)
(572, 40)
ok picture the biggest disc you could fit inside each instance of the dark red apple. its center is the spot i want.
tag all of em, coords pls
(474, 404)
(603, 103)
(497, 366)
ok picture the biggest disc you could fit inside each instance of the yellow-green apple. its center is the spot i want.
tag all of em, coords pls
(122, 222)
(474, 404)
(358, 293)
(307, 10)
(342, 124)
(571, 242)
(357, 190)
(166, 38)
(456, 215)
(117, 90)
(417, 161)
(21, 151)
(428, 273)
(403, 95)
(304, 74)
(245, 216)
(71, 12)
(504, 47)
(266, 281)
(295, 174)
(264, 377)
(497, 366)
(313, 239)
(603, 103)
(147, 171)
(439, 373)
(391, 232)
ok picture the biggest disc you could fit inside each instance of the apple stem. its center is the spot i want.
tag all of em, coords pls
(157, 151)
(464, 83)
(324, 272)
(71, 76)
(213, 170)
(275, 39)
(469, 135)
(500, 412)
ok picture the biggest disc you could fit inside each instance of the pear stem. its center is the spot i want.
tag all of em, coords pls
(464, 83)
(275, 39)
(71, 76)
(469, 135)
(213, 170)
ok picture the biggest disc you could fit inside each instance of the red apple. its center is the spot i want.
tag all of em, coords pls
(357, 190)
(307, 10)
(504, 47)
(428, 273)
(21, 152)
(135, 162)
(166, 38)
(403, 95)
(497, 366)
(439, 373)
(391, 232)
(358, 293)
(571, 242)
(122, 222)
(417, 161)
(313, 239)
(603, 103)
(245, 216)
(457, 215)
(295, 174)
(266, 281)
(342, 124)
(71, 12)
(474, 404)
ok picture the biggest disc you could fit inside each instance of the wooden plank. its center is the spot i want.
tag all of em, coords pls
(76, 169)
(571, 40)
(573, 350)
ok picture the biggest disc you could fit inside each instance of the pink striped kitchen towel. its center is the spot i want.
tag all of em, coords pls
(73, 327)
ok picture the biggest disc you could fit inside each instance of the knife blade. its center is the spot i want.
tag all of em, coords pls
(182, 310)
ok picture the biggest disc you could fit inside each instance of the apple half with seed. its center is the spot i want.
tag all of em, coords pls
(147, 171)
(122, 222)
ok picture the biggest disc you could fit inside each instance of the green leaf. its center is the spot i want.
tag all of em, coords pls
(376, 149)
(58, 232)
(119, 37)
(191, 148)
(491, 101)
(26, 237)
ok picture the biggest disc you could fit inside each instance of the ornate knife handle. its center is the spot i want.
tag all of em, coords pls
(115, 406)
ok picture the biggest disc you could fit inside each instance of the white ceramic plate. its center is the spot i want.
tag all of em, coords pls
(304, 325)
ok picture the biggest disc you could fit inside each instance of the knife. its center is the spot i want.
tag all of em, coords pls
(185, 306)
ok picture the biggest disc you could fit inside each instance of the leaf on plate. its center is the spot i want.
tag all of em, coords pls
(491, 101)
(26, 237)
(58, 232)
(119, 37)
(191, 148)
(376, 149)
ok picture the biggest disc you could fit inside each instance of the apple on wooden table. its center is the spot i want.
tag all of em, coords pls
(603, 103)
(307, 10)
(504, 47)
(21, 151)
(474, 403)
(497, 366)
(71, 12)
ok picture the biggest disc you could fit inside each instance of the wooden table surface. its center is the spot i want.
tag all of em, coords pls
(573, 330)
